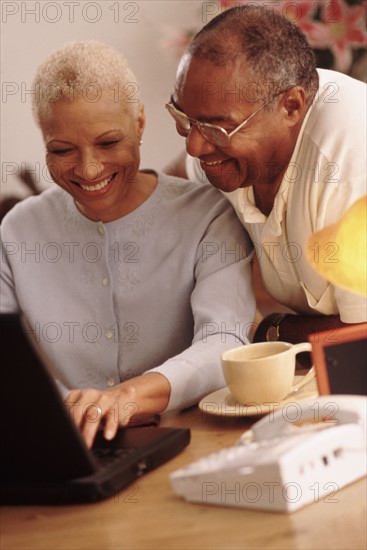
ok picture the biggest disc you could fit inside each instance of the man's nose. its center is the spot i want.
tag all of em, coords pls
(196, 144)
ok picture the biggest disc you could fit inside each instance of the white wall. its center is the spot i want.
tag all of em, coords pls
(30, 30)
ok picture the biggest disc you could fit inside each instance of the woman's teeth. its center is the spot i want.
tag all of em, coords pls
(98, 186)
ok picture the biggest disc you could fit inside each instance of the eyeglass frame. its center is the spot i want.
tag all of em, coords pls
(172, 109)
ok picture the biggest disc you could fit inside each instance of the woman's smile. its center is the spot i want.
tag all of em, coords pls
(95, 187)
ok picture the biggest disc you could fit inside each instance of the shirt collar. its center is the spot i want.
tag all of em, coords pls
(243, 200)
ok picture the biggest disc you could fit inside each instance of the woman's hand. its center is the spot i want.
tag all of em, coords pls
(113, 408)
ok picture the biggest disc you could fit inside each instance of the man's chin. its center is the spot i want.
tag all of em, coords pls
(224, 184)
(226, 178)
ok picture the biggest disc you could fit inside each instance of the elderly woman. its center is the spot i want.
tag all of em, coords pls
(133, 281)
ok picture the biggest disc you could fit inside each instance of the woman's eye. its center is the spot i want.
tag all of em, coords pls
(107, 144)
(60, 152)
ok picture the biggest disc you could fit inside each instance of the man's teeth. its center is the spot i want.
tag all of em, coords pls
(98, 186)
(214, 163)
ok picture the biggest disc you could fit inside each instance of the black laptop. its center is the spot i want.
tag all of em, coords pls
(44, 459)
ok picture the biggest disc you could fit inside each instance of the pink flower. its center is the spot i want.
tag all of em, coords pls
(328, 25)
(302, 14)
(341, 28)
(344, 30)
(225, 4)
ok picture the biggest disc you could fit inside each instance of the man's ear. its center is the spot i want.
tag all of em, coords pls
(294, 104)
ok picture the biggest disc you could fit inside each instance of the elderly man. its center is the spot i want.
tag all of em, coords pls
(286, 143)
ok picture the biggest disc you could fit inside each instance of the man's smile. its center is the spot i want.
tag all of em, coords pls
(213, 163)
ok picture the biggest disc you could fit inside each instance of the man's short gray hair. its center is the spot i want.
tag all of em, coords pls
(273, 50)
(83, 69)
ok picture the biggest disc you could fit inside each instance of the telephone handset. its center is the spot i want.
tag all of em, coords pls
(314, 414)
(291, 457)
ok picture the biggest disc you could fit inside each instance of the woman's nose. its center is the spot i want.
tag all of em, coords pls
(89, 166)
(196, 144)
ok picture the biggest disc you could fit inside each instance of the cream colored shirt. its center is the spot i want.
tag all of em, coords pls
(326, 174)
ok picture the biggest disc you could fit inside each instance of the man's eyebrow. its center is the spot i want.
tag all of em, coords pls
(211, 120)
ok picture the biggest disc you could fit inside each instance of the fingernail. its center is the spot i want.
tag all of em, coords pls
(109, 434)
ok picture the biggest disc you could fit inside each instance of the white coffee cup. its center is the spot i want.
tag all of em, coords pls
(264, 372)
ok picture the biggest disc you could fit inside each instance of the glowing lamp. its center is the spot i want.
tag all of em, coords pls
(338, 252)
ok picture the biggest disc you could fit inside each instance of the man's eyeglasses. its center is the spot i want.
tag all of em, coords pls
(213, 133)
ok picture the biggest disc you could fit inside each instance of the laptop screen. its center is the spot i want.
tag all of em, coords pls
(44, 458)
(41, 440)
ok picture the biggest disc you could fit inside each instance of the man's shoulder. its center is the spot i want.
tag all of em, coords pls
(328, 76)
(340, 92)
(335, 127)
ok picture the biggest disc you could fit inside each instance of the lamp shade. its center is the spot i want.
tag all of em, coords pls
(338, 252)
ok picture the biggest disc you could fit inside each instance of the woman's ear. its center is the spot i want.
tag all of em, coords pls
(294, 104)
(140, 121)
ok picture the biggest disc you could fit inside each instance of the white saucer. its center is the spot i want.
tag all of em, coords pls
(222, 403)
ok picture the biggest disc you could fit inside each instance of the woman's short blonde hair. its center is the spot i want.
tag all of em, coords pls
(83, 69)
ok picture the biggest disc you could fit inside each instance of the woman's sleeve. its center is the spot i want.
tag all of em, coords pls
(223, 308)
(8, 300)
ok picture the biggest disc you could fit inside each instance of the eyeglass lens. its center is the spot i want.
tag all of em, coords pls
(214, 135)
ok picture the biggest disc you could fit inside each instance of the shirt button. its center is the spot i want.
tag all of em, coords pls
(109, 334)
(110, 381)
(105, 281)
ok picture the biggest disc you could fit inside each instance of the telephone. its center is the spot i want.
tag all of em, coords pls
(293, 456)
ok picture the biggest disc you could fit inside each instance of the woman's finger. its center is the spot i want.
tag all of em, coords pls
(92, 418)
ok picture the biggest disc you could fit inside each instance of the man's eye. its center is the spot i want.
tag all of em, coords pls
(182, 131)
(184, 124)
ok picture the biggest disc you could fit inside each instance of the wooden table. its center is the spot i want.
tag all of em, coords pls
(149, 515)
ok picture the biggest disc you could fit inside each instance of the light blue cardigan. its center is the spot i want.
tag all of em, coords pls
(165, 288)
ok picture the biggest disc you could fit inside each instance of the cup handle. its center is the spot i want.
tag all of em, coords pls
(299, 348)
(311, 373)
